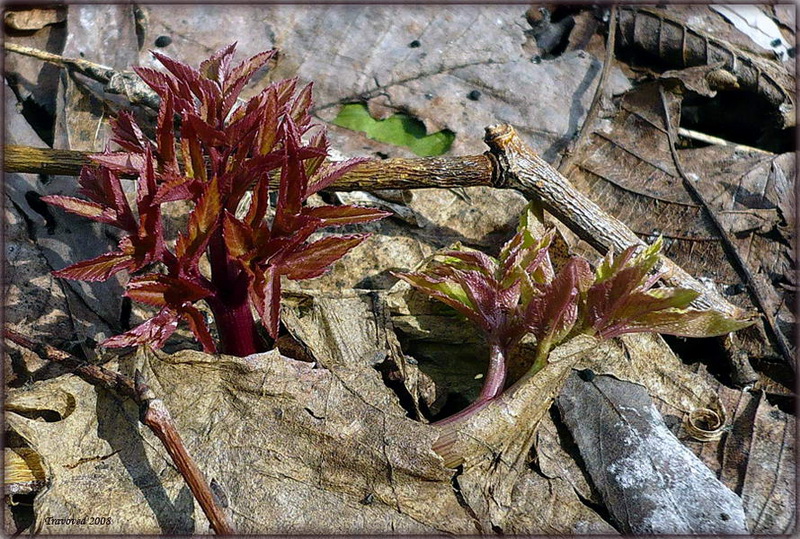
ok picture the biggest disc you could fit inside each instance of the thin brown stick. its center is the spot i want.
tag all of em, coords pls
(124, 83)
(742, 268)
(599, 94)
(94, 374)
(92, 70)
(152, 412)
(155, 415)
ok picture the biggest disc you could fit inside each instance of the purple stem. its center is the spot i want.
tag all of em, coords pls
(492, 386)
(230, 304)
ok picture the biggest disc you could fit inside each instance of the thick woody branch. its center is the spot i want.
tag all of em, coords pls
(510, 163)
(397, 173)
(152, 413)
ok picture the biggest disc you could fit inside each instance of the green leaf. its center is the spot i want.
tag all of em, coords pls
(446, 291)
(689, 323)
(399, 129)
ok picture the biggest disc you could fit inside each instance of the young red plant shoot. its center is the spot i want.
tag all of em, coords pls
(519, 293)
(224, 149)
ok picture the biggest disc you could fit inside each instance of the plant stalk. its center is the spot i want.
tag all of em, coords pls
(495, 373)
(238, 335)
(492, 386)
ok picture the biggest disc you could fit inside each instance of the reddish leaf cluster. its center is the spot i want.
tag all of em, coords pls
(224, 148)
(519, 293)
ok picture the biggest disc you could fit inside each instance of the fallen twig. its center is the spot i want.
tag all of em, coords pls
(509, 164)
(152, 413)
(600, 92)
(124, 83)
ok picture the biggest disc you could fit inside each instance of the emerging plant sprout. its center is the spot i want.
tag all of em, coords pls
(520, 293)
(222, 149)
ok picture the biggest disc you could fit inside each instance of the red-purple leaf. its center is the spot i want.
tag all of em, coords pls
(192, 151)
(202, 223)
(293, 181)
(103, 187)
(123, 162)
(162, 290)
(178, 187)
(268, 129)
(318, 140)
(254, 170)
(207, 134)
(238, 236)
(165, 133)
(240, 74)
(300, 106)
(315, 258)
(216, 67)
(329, 173)
(197, 323)
(156, 80)
(471, 260)
(91, 210)
(183, 72)
(265, 295)
(445, 290)
(551, 315)
(128, 134)
(97, 269)
(153, 332)
(344, 215)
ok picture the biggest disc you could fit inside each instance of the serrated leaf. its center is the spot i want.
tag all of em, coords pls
(177, 187)
(268, 128)
(318, 140)
(344, 215)
(199, 327)
(299, 107)
(208, 135)
(202, 222)
(470, 259)
(316, 258)
(122, 162)
(162, 290)
(153, 332)
(330, 172)
(240, 74)
(237, 235)
(684, 323)
(165, 135)
(156, 80)
(611, 264)
(97, 269)
(444, 290)
(551, 315)
(128, 134)
(293, 180)
(265, 295)
(91, 210)
(216, 66)
(192, 152)
(184, 73)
